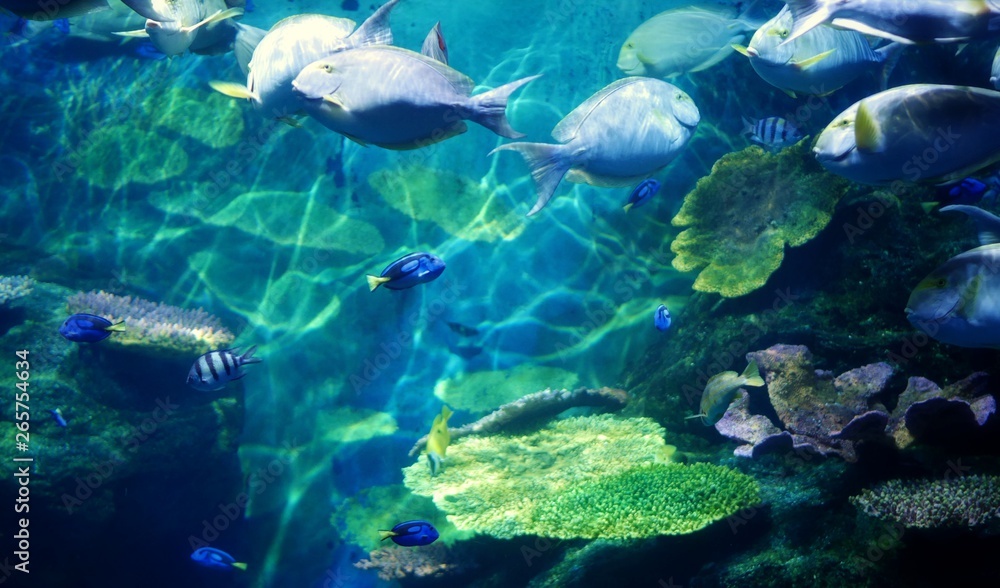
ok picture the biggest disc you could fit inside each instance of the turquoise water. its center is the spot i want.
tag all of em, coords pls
(129, 175)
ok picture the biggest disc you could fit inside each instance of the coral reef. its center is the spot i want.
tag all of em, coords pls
(742, 215)
(460, 206)
(14, 287)
(156, 327)
(582, 477)
(957, 502)
(396, 563)
(534, 408)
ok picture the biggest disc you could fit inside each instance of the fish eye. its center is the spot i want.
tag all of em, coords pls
(629, 45)
(782, 33)
(940, 283)
(327, 68)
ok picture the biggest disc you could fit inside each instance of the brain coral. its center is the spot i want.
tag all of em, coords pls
(741, 216)
(583, 477)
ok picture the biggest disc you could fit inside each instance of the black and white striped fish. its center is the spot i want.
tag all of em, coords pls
(215, 369)
(773, 132)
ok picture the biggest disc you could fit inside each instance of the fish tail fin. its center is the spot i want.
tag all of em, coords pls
(375, 30)
(383, 535)
(752, 375)
(435, 461)
(748, 126)
(240, 566)
(627, 207)
(375, 282)
(806, 15)
(247, 39)
(490, 108)
(548, 163)
(248, 357)
(118, 327)
(889, 55)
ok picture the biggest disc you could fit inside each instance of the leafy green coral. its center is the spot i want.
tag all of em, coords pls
(457, 204)
(584, 477)
(742, 215)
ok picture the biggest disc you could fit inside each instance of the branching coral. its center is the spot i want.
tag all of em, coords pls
(154, 325)
(962, 502)
(14, 287)
(583, 477)
(741, 216)
(396, 563)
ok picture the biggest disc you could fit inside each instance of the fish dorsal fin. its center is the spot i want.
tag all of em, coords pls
(375, 30)
(864, 29)
(807, 63)
(741, 49)
(147, 9)
(568, 126)
(806, 15)
(247, 39)
(867, 134)
(987, 225)
(232, 90)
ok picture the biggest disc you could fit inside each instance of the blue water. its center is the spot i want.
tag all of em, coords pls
(124, 172)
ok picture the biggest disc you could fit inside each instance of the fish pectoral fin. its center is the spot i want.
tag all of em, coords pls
(210, 21)
(867, 134)
(375, 281)
(790, 93)
(807, 63)
(643, 59)
(141, 33)
(864, 29)
(741, 49)
(232, 90)
(332, 99)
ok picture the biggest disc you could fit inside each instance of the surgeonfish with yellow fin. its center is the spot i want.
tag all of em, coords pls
(623, 134)
(959, 302)
(922, 21)
(918, 133)
(175, 25)
(438, 440)
(819, 62)
(676, 42)
(721, 390)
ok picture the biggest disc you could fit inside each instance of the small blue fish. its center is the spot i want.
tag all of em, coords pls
(146, 50)
(968, 191)
(772, 133)
(408, 271)
(215, 369)
(216, 559)
(642, 193)
(57, 415)
(411, 534)
(61, 25)
(89, 328)
(249, 7)
(661, 318)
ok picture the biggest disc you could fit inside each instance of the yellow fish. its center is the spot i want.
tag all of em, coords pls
(438, 440)
(720, 391)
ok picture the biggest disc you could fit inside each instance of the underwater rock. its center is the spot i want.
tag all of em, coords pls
(460, 206)
(964, 502)
(758, 434)
(927, 413)
(535, 408)
(14, 287)
(153, 326)
(569, 480)
(741, 216)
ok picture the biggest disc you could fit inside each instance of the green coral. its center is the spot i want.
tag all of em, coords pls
(462, 207)
(485, 391)
(584, 477)
(122, 154)
(742, 215)
(207, 117)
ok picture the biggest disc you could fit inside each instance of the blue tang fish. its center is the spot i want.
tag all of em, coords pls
(661, 318)
(642, 193)
(89, 328)
(411, 534)
(216, 558)
(968, 191)
(57, 415)
(215, 369)
(408, 271)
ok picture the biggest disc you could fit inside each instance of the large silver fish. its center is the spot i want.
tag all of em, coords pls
(905, 21)
(624, 133)
(398, 99)
(818, 63)
(916, 133)
(684, 40)
(292, 44)
(959, 302)
(173, 26)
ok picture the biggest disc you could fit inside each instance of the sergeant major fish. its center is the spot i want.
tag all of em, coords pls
(399, 99)
(408, 271)
(627, 131)
(772, 133)
(213, 370)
